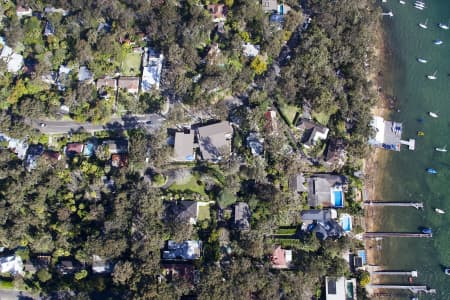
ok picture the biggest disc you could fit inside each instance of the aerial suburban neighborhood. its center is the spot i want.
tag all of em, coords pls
(184, 149)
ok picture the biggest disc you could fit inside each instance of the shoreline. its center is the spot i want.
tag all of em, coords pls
(377, 160)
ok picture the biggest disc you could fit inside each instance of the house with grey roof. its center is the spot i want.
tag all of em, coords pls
(241, 216)
(269, 6)
(326, 190)
(186, 250)
(340, 288)
(100, 265)
(181, 211)
(318, 215)
(129, 84)
(184, 146)
(311, 132)
(297, 183)
(215, 140)
(85, 75)
(116, 146)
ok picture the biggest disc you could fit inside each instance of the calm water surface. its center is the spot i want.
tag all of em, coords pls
(405, 177)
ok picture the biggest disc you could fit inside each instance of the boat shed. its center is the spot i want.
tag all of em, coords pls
(388, 134)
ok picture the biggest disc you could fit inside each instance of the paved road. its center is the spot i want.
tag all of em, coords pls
(150, 122)
(16, 295)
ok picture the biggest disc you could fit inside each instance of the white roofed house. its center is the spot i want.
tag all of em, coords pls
(85, 75)
(215, 140)
(23, 11)
(11, 264)
(14, 61)
(151, 72)
(311, 132)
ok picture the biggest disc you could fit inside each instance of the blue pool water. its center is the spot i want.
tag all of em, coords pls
(338, 199)
(346, 223)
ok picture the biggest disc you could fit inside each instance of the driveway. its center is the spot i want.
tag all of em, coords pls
(150, 122)
(16, 295)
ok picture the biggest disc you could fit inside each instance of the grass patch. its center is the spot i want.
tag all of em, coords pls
(287, 230)
(288, 112)
(131, 65)
(203, 213)
(6, 284)
(193, 185)
(324, 116)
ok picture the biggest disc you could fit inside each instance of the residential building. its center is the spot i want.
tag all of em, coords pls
(49, 29)
(326, 190)
(19, 147)
(100, 265)
(281, 258)
(339, 288)
(184, 146)
(51, 156)
(187, 250)
(215, 140)
(250, 50)
(66, 267)
(51, 10)
(322, 223)
(33, 154)
(119, 160)
(106, 82)
(23, 12)
(388, 134)
(360, 259)
(177, 271)
(12, 264)
(311, 132)
(116, 146)
(335, 153)
(181, 211)
(151, 72)
(271, 125)
(218, 12)
(129, 83)
(255, 143)
(13, 60)
(73, 149)
(85, 75)
(241, 216)
(297, 183)
(269, 6)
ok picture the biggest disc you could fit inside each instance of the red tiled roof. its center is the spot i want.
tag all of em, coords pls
(278, 258)
(74, 148)
(119, 160)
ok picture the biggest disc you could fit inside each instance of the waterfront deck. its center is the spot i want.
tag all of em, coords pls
(395, 273)
(416, 205)
(372, 235)
(411, 143)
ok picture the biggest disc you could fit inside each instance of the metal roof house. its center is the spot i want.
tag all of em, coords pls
(187, 250)
(326, 190)
(184, 146)
(181, 211)
(215, 140)
(312, 132)
(241, 216)
(339, 288)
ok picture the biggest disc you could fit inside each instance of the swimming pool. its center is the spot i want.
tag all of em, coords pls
(338, 199)
(346, 222)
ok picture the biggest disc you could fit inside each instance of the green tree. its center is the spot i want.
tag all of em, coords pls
(43, 275)
(259, 65)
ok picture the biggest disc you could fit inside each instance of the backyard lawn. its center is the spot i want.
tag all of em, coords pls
(203, 212)
(131, 65)
(289, 112)
(192, 185)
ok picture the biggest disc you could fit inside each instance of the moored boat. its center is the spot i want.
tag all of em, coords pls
(422, 60)
(447, 271)
(427, 230)
(433, 115)
(402, 2)
(432, 76)
(431, 171)
(420, 133)
(424, 24)
(439, 211)
(443, 25)
(438, 42)
(443, 149)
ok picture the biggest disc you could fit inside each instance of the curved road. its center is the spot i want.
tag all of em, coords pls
(150, 122)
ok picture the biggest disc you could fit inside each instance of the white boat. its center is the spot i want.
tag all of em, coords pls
(433, 115)
(418, 7)
(433, 76)
(422, 60)
(439, 211)
(443, 26)
(402, 2)
(424, 25)
(438, 42)
(443, 149)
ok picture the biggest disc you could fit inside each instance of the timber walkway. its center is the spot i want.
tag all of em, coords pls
(416, 205)
(370, 235)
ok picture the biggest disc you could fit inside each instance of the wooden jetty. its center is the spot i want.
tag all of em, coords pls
(396, 273)
(371, 235)
(413, 288)
(411, 143)
(416, 205)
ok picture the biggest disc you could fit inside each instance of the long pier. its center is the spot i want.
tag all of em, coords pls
(416, 205)
(413, 288)
(396, 273)
(370, 235)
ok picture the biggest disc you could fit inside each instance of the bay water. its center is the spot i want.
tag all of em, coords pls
(405, 177)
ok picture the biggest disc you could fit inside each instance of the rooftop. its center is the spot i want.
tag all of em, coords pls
(215, 139)
(184, 146)
(129, 83)
(321, 188)
(241, 216)
(281, 258)
(181, 211)
(84, 74)
(187, 250)
(151, 74)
